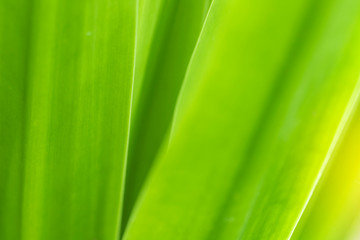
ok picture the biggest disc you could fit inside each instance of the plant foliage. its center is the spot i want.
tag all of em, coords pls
(179, 119)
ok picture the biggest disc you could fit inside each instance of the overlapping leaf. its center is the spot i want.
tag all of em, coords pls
(166, 37)
(256, 122)
(268, 89)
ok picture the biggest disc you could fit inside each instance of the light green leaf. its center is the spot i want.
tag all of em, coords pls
(335, 204)
(226, 119)
(265, 92)
(77, 78)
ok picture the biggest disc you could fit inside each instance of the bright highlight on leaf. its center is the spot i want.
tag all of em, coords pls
(179, 119)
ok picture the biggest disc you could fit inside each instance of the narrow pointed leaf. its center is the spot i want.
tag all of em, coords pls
(166, 37)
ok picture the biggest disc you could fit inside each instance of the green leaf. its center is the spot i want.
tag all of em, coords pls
(225, 119)
(76, 79)
(257, 119)
(335, 203)
(14, 53)
(166, 37)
